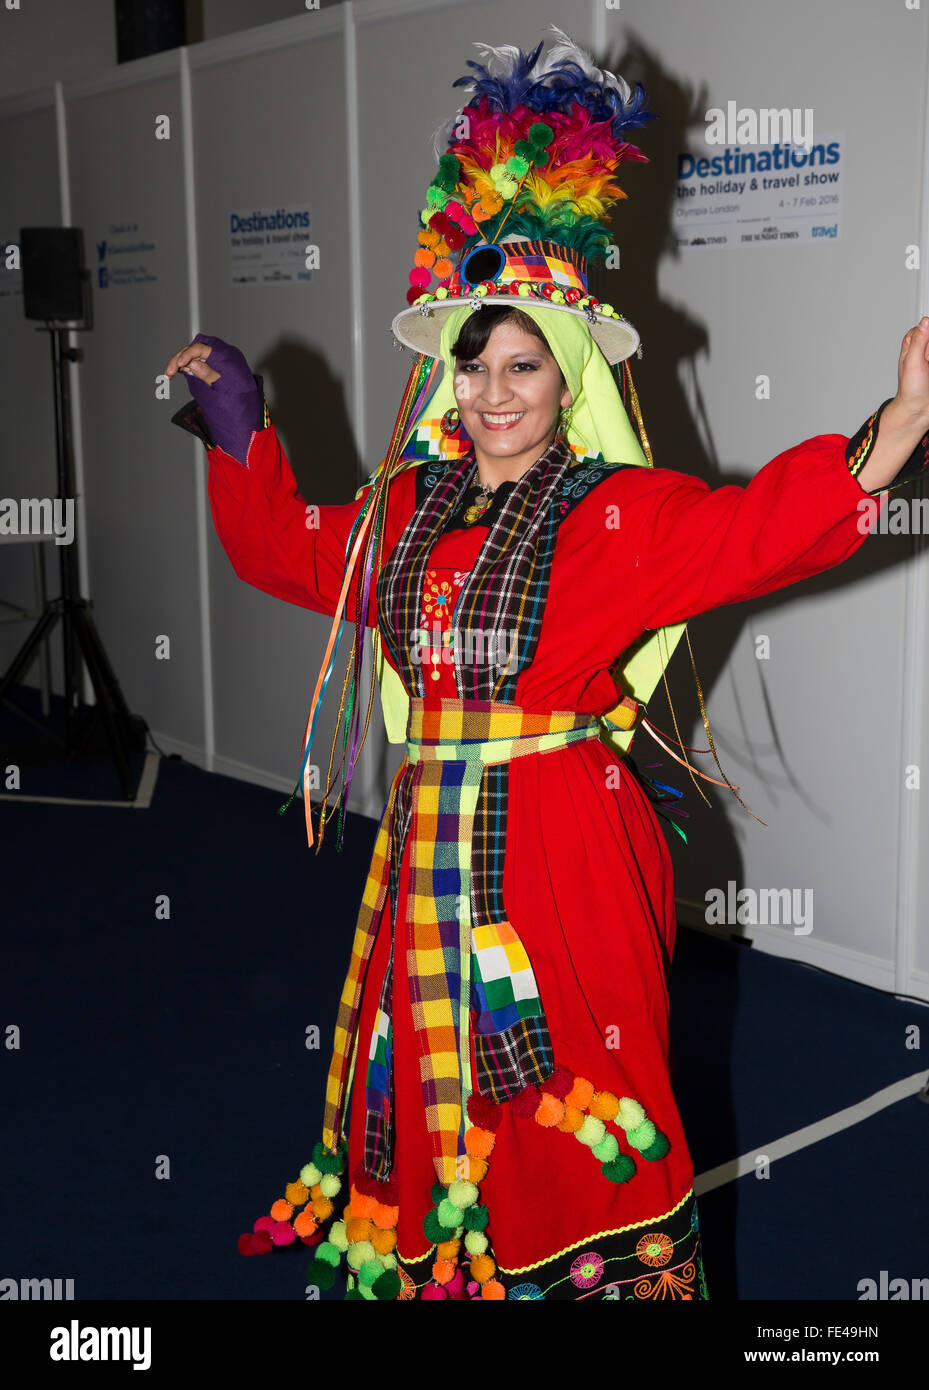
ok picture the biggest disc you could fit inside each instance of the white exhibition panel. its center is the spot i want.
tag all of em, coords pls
(127, 191)
(234, 16)
(63, 40)
(270, 131)
(336, 112)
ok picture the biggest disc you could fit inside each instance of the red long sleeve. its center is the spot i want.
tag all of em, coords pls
(698, 548)
(279, 543)
(690, 548)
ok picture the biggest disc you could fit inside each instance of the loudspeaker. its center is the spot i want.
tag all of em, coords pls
(55, 284)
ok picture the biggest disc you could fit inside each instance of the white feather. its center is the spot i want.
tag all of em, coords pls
(501, 60)
(443, 135)
(564, 49)
(498, 61)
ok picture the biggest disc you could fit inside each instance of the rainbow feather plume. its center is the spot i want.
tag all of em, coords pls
(536, 147)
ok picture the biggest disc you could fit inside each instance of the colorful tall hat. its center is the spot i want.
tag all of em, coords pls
(523, 192)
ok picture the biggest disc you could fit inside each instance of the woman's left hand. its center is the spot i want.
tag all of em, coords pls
(911, 403)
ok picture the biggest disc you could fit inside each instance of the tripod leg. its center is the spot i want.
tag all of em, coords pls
(107, 673)
(45, 662)
(28, 651)
(85, 636)
(72, 675)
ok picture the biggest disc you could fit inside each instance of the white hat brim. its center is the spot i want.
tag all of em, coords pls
(422, 331)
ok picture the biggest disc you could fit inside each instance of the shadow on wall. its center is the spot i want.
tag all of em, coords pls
(643, 230)
(672, 342)
(308, 405)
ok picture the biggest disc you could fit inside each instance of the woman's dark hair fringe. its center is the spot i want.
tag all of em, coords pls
(477, 328)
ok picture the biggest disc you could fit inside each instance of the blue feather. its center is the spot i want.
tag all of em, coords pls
(554, 90)
(507, 90)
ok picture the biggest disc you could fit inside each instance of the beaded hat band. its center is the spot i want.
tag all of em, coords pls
(543, 272)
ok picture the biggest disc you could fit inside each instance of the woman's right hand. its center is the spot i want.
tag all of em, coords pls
(192, 360)
(207, 360)
(233, 409)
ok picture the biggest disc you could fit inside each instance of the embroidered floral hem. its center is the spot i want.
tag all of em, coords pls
(650, 1261)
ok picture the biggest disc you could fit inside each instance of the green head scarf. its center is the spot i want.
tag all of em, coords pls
(599, 426)
(599, 423)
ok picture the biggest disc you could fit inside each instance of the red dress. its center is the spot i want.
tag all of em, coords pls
(588, 880)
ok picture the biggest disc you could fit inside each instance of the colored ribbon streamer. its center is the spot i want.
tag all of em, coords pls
(419, 384)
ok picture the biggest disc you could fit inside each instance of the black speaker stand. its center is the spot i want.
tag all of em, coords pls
(124, 731)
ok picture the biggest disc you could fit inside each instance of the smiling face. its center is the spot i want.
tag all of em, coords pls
(509, 397)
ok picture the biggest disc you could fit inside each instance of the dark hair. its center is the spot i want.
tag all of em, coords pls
(477, 328)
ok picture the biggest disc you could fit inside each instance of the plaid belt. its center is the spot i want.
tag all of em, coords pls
(452, 966)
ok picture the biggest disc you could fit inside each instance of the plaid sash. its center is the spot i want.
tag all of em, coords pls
(454, 966)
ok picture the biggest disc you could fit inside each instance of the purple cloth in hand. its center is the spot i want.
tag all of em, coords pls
(231, 405)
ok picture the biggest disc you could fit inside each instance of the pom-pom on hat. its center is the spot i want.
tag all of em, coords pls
(523, 191)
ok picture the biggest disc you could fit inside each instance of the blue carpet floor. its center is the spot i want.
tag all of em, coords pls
(185, 1038)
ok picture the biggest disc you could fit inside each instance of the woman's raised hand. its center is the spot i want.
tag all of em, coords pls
(208, 360)
(192, 360)
(232, 409)
(904, 421)
(912, 398)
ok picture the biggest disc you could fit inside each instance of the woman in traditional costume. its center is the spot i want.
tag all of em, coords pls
(526, 572)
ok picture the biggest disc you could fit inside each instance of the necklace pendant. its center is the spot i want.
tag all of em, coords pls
(476, 510)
